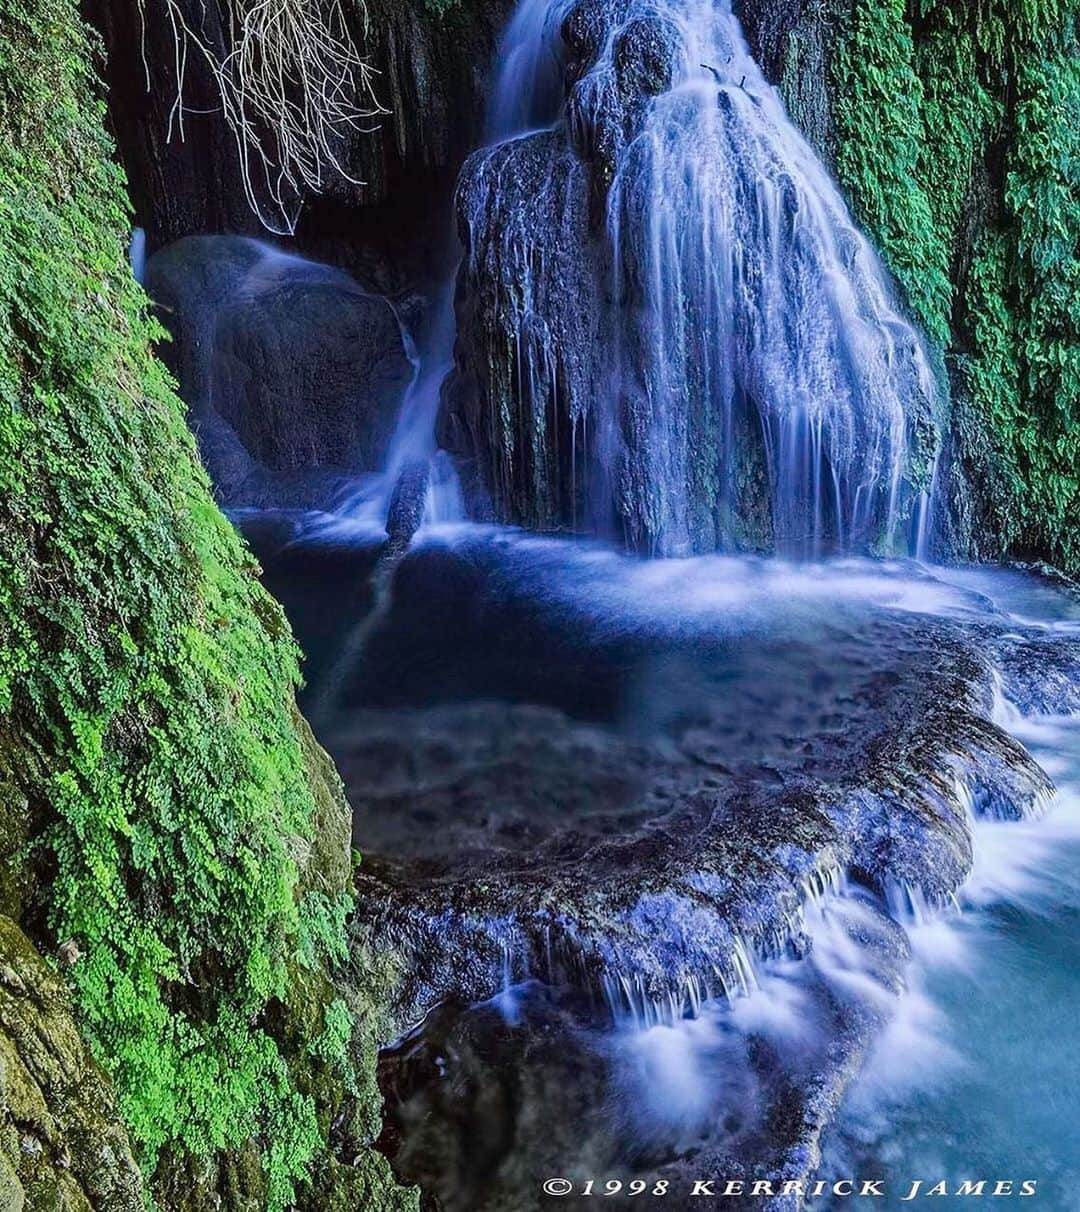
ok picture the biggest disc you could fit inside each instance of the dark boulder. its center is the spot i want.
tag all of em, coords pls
(308, 368)
(513, 411)
(645, 53)
(293, 375)
(190, 281)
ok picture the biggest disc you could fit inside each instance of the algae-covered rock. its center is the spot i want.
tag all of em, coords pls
(367, 1184)
(62, 1144)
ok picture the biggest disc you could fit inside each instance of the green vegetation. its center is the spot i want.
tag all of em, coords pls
(958, 141)
(880, 138)
(165, 793)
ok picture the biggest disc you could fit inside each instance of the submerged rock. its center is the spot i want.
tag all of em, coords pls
(406, 511)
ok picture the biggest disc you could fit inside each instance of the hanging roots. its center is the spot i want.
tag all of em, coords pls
(292, 86)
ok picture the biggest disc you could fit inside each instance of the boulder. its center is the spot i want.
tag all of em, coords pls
(309, 369)
(292, 373)
(189, 281)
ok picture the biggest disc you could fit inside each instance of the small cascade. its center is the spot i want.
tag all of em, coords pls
(754, 289)
(910, 906)
(922, 518)
(137, 254)
(414, 464)
(735, 371)
(528, 89)
(672, 328)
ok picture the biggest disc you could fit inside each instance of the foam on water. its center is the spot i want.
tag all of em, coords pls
(969, 1078)
(604, 584)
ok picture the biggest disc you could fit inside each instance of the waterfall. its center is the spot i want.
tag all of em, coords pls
(527, 89)
(413, 457)
(740, 372)
(527, 92)
(137, 254)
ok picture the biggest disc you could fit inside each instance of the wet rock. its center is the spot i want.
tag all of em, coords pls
(407, 503)
(591, 393)
(62, 1143)
(645, 56)
(514, 408)
(584, 30)
(308, 369)
(292, 373)
(481, 1103)
(189, 282)
(537, 836)
(792, 40)
(484, 1102)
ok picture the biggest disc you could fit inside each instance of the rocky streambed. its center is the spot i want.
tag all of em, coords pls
(641, 839)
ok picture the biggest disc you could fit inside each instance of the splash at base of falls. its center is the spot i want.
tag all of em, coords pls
(970, 1081)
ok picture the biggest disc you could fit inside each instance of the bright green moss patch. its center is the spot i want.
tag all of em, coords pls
(959, 147)
(1042, 437)
(146, 680)
(880, 137)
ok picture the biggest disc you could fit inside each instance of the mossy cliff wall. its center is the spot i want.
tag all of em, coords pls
(172, 841)
(954, 129)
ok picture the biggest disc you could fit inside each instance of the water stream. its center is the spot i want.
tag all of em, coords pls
(975, 1078)
(533, 710)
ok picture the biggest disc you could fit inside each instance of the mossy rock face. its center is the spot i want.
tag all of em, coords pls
(62, 1144)
(367, 1184)
(187, 836)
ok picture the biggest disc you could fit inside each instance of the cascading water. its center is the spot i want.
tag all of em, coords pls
(734, 371)
(527, 82)
(528, 87)
(413, 452)
(650, 844)
(752, 283)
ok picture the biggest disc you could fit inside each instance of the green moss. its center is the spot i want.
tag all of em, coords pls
(1041, 438)
(61, 1142)
(148, 679)
(880, 137)
(959, 147)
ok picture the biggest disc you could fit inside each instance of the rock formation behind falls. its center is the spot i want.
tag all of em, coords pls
(669, 327)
